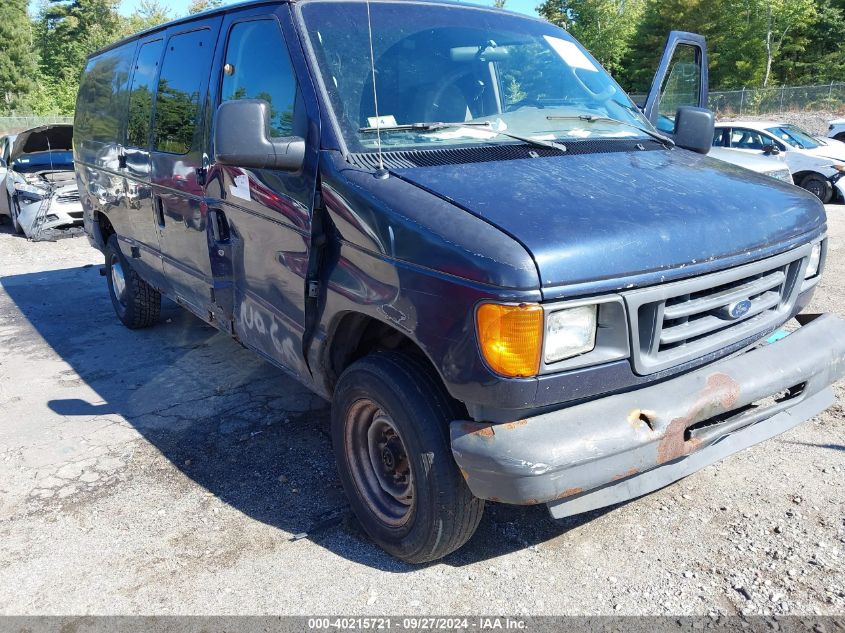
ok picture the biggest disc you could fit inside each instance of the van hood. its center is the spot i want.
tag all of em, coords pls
(57, 137)
(613, 216)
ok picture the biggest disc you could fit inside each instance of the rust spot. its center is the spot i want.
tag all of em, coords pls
(481, 430)
(719, 396)
(510, 426)
(626, 474)
(465, 474)
(570, 492)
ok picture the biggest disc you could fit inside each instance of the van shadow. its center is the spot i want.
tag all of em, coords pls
(234, 424)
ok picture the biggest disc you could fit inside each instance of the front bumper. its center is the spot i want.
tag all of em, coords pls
(55, 214)
(606, 451)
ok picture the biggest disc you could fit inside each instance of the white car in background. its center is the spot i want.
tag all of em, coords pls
(817, 164)
(773, 166)
(836, 130)
(40, 193)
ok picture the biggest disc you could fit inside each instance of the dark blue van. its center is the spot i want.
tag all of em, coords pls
(513, 283)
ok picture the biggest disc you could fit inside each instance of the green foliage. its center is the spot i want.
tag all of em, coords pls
(198, 6)
(18, 63)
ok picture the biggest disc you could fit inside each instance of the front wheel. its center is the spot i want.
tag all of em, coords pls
(819, 186)
(390, 432)
(15, 211)
(136, 303)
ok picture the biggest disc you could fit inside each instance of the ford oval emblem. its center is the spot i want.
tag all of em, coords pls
(739, 309)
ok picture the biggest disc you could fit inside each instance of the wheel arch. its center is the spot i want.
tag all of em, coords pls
(354, 335)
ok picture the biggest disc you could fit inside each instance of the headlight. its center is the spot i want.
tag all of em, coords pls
(779, 174)
(30, 192)
(815, 260)
(570, 333)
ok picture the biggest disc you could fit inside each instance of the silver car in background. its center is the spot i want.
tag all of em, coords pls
(41, 195)
(772, 165)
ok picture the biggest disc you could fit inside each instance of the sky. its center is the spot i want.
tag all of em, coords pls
(180, 7)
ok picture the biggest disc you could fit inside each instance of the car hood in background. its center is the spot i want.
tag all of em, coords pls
(592, 217)
(57, 137)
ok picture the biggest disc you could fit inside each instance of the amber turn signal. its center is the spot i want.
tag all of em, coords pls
(511, 338)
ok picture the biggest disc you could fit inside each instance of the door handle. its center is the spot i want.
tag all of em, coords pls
(159, 211)
(219, 226)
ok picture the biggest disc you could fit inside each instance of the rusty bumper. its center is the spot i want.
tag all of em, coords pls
(623, 446)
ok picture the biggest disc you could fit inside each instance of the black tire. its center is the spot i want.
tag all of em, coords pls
(137, 304)
(442, 513)
(819, 186)
(15, 210)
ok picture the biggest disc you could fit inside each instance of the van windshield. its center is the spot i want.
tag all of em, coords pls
(439, 63)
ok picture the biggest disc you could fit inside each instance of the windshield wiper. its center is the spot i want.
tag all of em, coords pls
(591, 118)
(438, 125)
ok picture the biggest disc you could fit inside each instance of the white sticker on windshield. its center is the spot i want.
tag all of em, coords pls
(241, 188)
(571, 54)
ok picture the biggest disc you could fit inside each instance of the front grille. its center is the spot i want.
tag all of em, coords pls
(68, 198)
(678, 322)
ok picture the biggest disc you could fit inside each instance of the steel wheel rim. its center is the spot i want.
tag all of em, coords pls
(118, 280)
(379, 463)
(817, 189)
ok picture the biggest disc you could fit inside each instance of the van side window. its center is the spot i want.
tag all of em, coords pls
(178, 96)
(102, 95)
(249, 74)
(141, 94)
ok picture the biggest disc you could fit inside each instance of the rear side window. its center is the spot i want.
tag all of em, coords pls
(101, 101)
(141, 94)
(178, 97)
(248, 73)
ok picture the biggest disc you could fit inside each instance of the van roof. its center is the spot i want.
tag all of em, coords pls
(251, 3)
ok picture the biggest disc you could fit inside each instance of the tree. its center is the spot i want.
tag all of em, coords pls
(499, 4)
(604, 27)
(778, 18)
(198, 6)
(147, 14)
(18, 62)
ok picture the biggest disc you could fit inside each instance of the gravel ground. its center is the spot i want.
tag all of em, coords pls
(168, 471)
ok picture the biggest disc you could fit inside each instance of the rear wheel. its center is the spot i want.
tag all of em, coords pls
(390, 432)
(136, 303)
(819, 186)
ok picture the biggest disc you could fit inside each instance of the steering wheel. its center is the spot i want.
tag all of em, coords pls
(604, 95)
(432, 109)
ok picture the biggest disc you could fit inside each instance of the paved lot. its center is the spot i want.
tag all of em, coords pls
(167, 472)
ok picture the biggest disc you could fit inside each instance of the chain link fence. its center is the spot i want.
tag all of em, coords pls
(15, 124)
(828, 97)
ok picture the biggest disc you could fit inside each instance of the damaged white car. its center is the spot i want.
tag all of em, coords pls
(41, 195)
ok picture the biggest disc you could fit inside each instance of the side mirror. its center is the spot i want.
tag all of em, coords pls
(242, 138)
(694, 129)
(771, 150)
